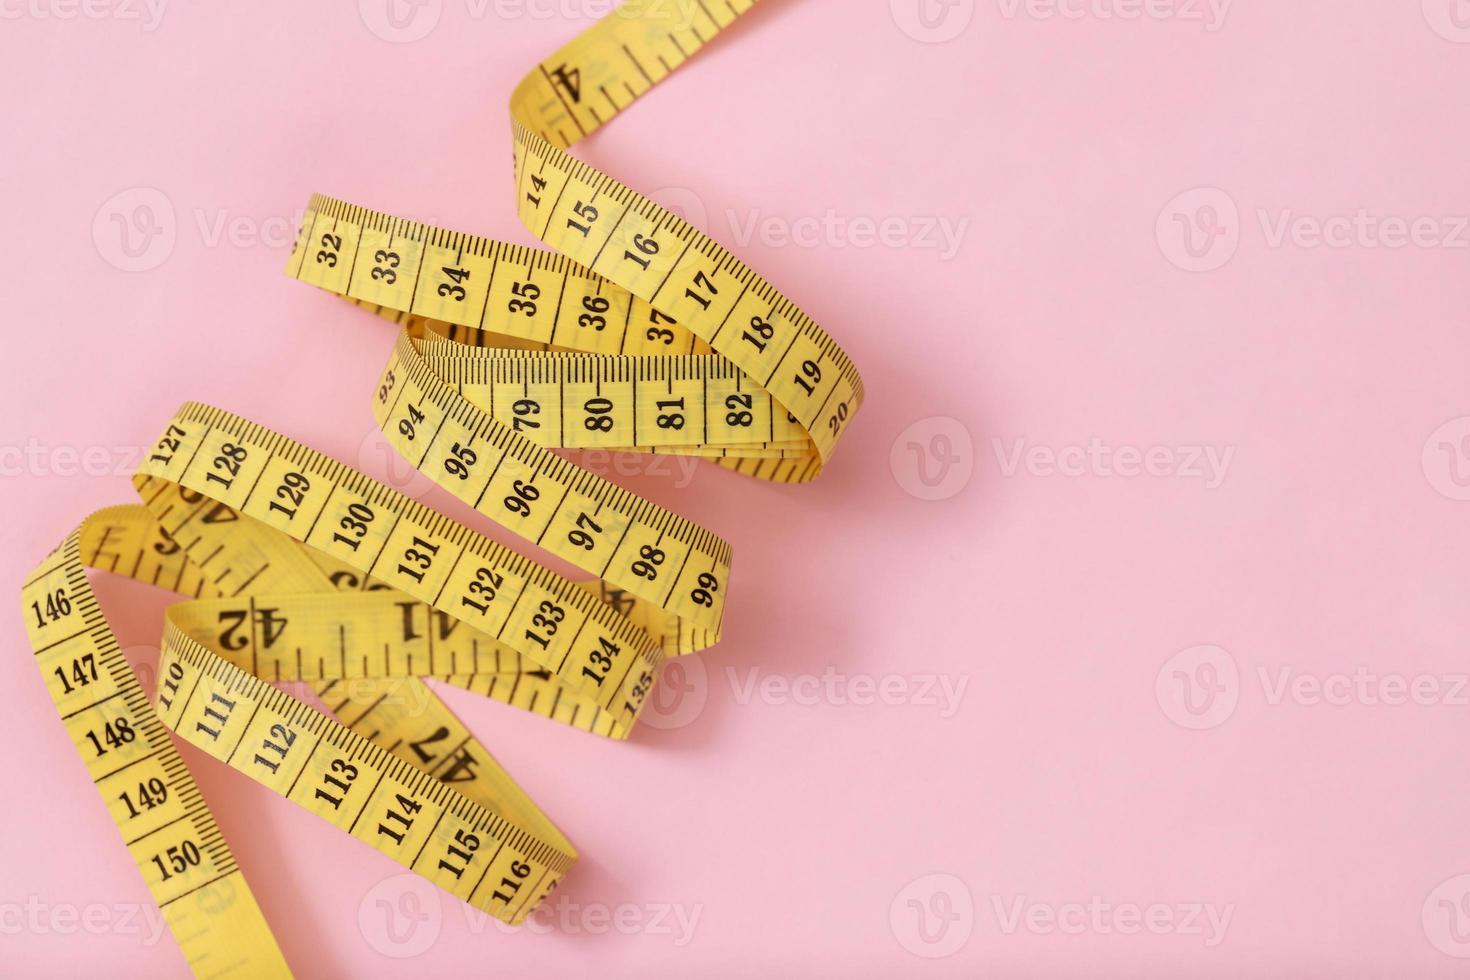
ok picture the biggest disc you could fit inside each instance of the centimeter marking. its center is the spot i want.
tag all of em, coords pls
(756, 294)
(772, 338)
(162, 818)
(576, 400)
(548, 613)
(410, 396)
(223, 677)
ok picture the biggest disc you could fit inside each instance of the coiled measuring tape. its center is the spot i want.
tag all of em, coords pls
(635, 332)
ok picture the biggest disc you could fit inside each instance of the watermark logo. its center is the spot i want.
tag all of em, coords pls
(1207, 464)
(942, 235)
(1450, 19)
(1199, 230)
(679, 696)
(219, 227)
(684, 688)
(939, 234)
(1362, 687)
(942, 692)
(683, 203)
(1362, 229)
(1446, 916)
(41, 918)
(400, 21)
(1210, 13)
(1098, 916)
(39, 459)
(1446, 459)
(401, 916)
(148, 13)
(1198, 688)
(932, 21)
(934, 458)
(376, 455)
(405, 21)
(671, 922)
(933, 916)
(135, 229)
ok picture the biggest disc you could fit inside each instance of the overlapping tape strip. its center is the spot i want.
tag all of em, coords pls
(634, 332)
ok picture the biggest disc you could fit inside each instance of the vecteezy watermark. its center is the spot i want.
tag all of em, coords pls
(1208, 464)
(932, 21)
(1200, 687)
(1445, 916)
(1201, 230)
(1446, 459)
(404, 697)
(683, 691)
(933, 233)
(37, 917)
(831, 687)
(35, 458)
(400, 21)
(147, 13)
(1363, 686)
(832, 228)
(218, 227)
(1210, 13)
(136, 229)
(1363, 229)
(1097, 916)
(679, 696)
(934, 458)
(403, 916)
(376, 456)
(673, 922)
(405, 21)
(1450, 19)
(679, 470)
(933, 916)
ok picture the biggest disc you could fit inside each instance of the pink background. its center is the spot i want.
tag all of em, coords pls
(1123, 738)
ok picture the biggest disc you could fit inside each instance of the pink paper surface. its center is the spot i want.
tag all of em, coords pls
(1126, 633)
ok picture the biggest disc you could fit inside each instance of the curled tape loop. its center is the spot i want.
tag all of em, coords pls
(635, 332)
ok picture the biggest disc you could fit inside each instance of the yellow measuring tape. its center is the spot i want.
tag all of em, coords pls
(636, 332)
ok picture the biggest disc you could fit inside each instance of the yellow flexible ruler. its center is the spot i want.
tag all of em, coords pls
(634, 332)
